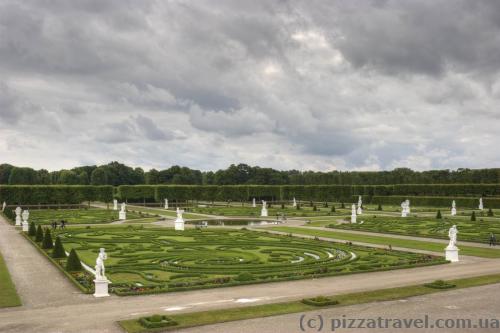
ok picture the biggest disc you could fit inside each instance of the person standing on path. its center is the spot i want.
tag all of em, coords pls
(493, 239)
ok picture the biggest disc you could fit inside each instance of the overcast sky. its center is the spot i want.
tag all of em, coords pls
(322, 85)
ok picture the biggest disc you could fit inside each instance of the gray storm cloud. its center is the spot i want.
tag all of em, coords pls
(288, 84)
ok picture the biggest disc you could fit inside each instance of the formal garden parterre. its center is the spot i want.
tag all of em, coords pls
(81, 215)
(152, 260)
(474, 231)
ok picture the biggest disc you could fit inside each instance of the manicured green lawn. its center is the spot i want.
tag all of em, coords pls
(409, 244)
(77, 216)
(147, 260)
(266, 310)
(476, 231)
(8, 294)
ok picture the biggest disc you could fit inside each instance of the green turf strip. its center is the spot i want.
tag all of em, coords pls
(8, 294)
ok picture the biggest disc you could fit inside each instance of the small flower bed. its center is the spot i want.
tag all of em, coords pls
(156, 321)
(320, 301)
(440, 284)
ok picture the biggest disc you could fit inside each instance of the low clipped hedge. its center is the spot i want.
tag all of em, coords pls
(157, 321)
(440, 284)
(320, 301)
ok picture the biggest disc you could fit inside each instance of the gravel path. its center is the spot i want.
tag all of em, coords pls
(472, 303)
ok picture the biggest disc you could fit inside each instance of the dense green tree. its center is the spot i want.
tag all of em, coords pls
(73, 264)
(5, 170)
(23, 176)
(99, 176)
(68, 177)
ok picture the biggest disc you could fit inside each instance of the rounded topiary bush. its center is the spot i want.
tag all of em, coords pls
(58, 251)
(39, 234)
(73, 264)
(32, 229)
(47, 240)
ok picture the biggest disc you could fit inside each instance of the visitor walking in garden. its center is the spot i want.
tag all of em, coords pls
(493, 239)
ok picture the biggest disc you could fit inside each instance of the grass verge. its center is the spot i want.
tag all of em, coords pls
(381, 240)
(266, 310)
(8, 293)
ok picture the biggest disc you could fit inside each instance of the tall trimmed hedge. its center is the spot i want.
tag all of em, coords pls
(462, 202)
(54, 194)
(67, 194)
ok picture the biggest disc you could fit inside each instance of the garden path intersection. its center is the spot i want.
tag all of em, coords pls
(52, 304)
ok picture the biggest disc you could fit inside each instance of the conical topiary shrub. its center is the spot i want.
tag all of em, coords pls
(47, 240)
(58, 251)
(32, 229)
(490, 212)
(379, 207)
(473, 216)
(438, 215)
(73, 263)
(39, 234)
(333, 209)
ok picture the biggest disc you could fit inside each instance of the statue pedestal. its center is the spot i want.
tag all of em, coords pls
(353, 218)
(122, 215)
(179, 224)
(451, 253)
(263, 212)
(18, 220)
(101, 288)
(403, 214)
(360, 211)
(25, 226)
(453, 211)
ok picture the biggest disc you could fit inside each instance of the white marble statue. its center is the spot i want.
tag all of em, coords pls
(452, 234)
(451, 251)
(179, 221)
(263, 211)
(166, 204)
(115, 204)
(481, 203)
(122, 215)
(99, 265)
(408, 206)
(25, 215)
(294, 202)
(404, 212)
(353, 213)
(253, 203)
(18, 215)
(100, 281)
(4, 206)
(453, 208)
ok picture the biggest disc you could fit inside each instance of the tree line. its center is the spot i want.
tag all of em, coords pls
(116, 174)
